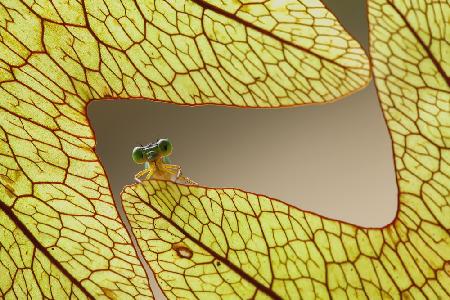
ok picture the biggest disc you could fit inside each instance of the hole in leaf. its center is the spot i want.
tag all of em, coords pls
(336, 160)
(182, 250)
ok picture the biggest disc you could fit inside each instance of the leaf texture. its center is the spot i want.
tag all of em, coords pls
(57, 56)
(225, 243)
(35, 273)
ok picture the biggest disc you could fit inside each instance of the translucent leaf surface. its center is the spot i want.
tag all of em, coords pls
(56, 56)
(269, 54)
(223, 243)
(35, 273)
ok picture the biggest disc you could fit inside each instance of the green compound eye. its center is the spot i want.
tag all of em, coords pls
(165, 147)
(138, 155)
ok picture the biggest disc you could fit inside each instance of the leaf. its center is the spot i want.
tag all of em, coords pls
(204, 242)
(198, 52)
(57, 56)
(35, 272)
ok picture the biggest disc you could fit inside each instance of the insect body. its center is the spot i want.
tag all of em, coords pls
(155, 157)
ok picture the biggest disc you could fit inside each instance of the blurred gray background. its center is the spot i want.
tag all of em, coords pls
(335, 159)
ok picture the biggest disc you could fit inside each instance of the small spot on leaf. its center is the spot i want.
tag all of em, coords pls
(182, 250)
(6, 179)
(109, 293)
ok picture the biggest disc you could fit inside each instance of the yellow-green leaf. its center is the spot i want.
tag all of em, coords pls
(277, 53)
(33, 270)
(57, 56)
(213, 243)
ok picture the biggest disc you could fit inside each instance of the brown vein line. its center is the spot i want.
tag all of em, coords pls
(41, 248)
(244, 275)
(421, 42)
(219, 11)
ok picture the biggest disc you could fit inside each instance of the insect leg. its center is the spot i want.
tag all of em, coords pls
(140, 174)
(150, 171)
(186, 180)
(172, 167)
(176, 170)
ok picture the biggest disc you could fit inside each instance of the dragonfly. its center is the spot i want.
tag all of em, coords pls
(157, 164)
